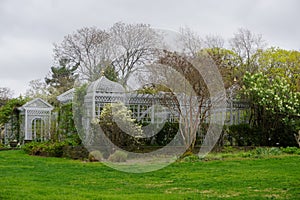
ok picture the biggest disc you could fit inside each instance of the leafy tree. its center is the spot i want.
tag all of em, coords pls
(227, 62)
(284, 63)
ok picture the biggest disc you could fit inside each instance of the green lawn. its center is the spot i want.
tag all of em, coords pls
(28, 177)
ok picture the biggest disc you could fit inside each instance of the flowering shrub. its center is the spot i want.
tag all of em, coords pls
(276, 95)
(119, 127)
(275, 107)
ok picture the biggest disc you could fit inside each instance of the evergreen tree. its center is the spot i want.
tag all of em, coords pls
(62, 78)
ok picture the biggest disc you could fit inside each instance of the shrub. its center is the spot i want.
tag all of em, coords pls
(191, 158)
(162, 137)
(55, 149)
(228, 149)
(75, 152)
(275, 151)
(244, 135)
(44, 148)
(291, 150)
(118, 156)
(73, 140)
(95, 156)
(261, 152)
(167, 133)
(32, 148)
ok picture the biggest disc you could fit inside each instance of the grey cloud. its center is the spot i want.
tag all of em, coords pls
(28, 28)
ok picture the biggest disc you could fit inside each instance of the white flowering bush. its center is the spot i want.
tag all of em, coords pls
(274, 104)
(117, 124)
(275, 95)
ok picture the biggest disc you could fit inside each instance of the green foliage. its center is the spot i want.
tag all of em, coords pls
(291, 150)
(284, 63)
(49, 148)
(78, 108)
(118, 156)
(31, 147)
(62, 77)
(164, 136)
(147, 90)
(244, 135)
(110, 73)
(228, 149)
(190, 158)
(10, 113)
(66, 126)
(260, 152)
(73, 140)
(45, 148)
(153, 89)
(228, 64)
(10, 108)
(167, 133)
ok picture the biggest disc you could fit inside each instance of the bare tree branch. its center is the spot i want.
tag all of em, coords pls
(86, 47)
(190, 41)
(133, 46)
(247, 46)
(5, 93)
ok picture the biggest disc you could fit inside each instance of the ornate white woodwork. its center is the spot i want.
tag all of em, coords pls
(35, 120)
(104, 91)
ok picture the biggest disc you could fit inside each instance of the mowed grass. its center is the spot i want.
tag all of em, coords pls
(29, 177)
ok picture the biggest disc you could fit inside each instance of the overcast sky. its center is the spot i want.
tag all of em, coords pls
(28, 28)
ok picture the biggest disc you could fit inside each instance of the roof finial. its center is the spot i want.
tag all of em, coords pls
(102, 72)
